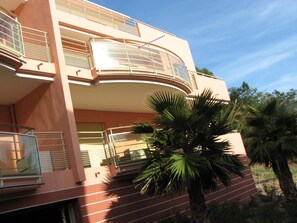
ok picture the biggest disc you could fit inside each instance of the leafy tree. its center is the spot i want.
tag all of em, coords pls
(243, 98)
(204, 71)
(289, 98)
(271, 139)
(188, 152)
(246, 94)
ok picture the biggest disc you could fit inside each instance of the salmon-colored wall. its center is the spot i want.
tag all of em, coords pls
(51, 103)
(39, 110)
(118, 201)
(110, 118)
(5, 114)
(147, 34)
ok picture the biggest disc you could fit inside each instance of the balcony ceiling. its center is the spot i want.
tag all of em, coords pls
(11, 5)
(14, 88)
(125, 97)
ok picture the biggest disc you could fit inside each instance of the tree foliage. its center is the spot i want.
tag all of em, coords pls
(204, 71)
(271, 139)
(189, 154)
(268, 123)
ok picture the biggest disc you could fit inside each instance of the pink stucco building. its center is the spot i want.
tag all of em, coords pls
(73, 77)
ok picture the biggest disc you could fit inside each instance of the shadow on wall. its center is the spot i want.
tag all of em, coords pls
(128, 205)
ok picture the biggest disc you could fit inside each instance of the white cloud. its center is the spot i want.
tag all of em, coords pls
(283, 83)
(261, 59)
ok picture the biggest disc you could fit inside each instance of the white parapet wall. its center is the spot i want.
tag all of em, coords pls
(235, 140)
(217, 86)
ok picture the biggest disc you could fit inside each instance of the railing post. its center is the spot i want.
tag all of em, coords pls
(170, 65)
(127, 54)
(64, 150)
(152, 60)
(15, 147)
(22, 41)
(69, 7)
(47, 47)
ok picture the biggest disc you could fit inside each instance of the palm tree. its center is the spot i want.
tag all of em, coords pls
(189, 155)
(271, 139)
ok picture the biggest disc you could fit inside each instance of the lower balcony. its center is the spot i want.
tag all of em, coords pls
(19, 165)
(25, 155)
(125, 153)
(119, 149)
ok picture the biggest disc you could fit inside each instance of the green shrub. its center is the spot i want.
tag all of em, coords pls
(228, 212)
(177, 218)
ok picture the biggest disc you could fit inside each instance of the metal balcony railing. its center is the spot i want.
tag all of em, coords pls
(113, 57)
(21, 145)
(52, 151)
(127, 151)
(76, 53)
(116, 147)
(19, 156)
(99, 15)
(36, 45)
(92, 145)
(23, 41)
(11, 35)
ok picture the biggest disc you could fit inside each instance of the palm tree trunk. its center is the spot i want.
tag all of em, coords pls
(197, 203)
(284, 176)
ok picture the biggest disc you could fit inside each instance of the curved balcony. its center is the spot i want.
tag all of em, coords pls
(142, 61)
(124, 74)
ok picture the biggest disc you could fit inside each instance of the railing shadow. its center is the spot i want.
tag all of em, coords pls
(126, 204)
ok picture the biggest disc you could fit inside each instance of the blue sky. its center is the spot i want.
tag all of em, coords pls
(248, 40)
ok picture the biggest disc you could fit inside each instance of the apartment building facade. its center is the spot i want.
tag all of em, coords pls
(74, 76)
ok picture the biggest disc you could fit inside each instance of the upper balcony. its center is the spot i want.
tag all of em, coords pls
(22, 42)
(11, 39)
(112, 58)
(99, 15)
(25, 59)
(125, 70)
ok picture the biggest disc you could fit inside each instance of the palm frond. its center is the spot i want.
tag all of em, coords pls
(142, 126)
(187, 143)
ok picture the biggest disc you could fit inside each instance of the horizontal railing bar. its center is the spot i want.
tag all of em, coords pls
(36, 40)
(52, 145)
(20, 177)
(49, 138)
(35, 30)
(72, 40)
(94, 137)
(76, 53)
(16, 133)
(7, 141)
(102, 132)
(27, 34)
